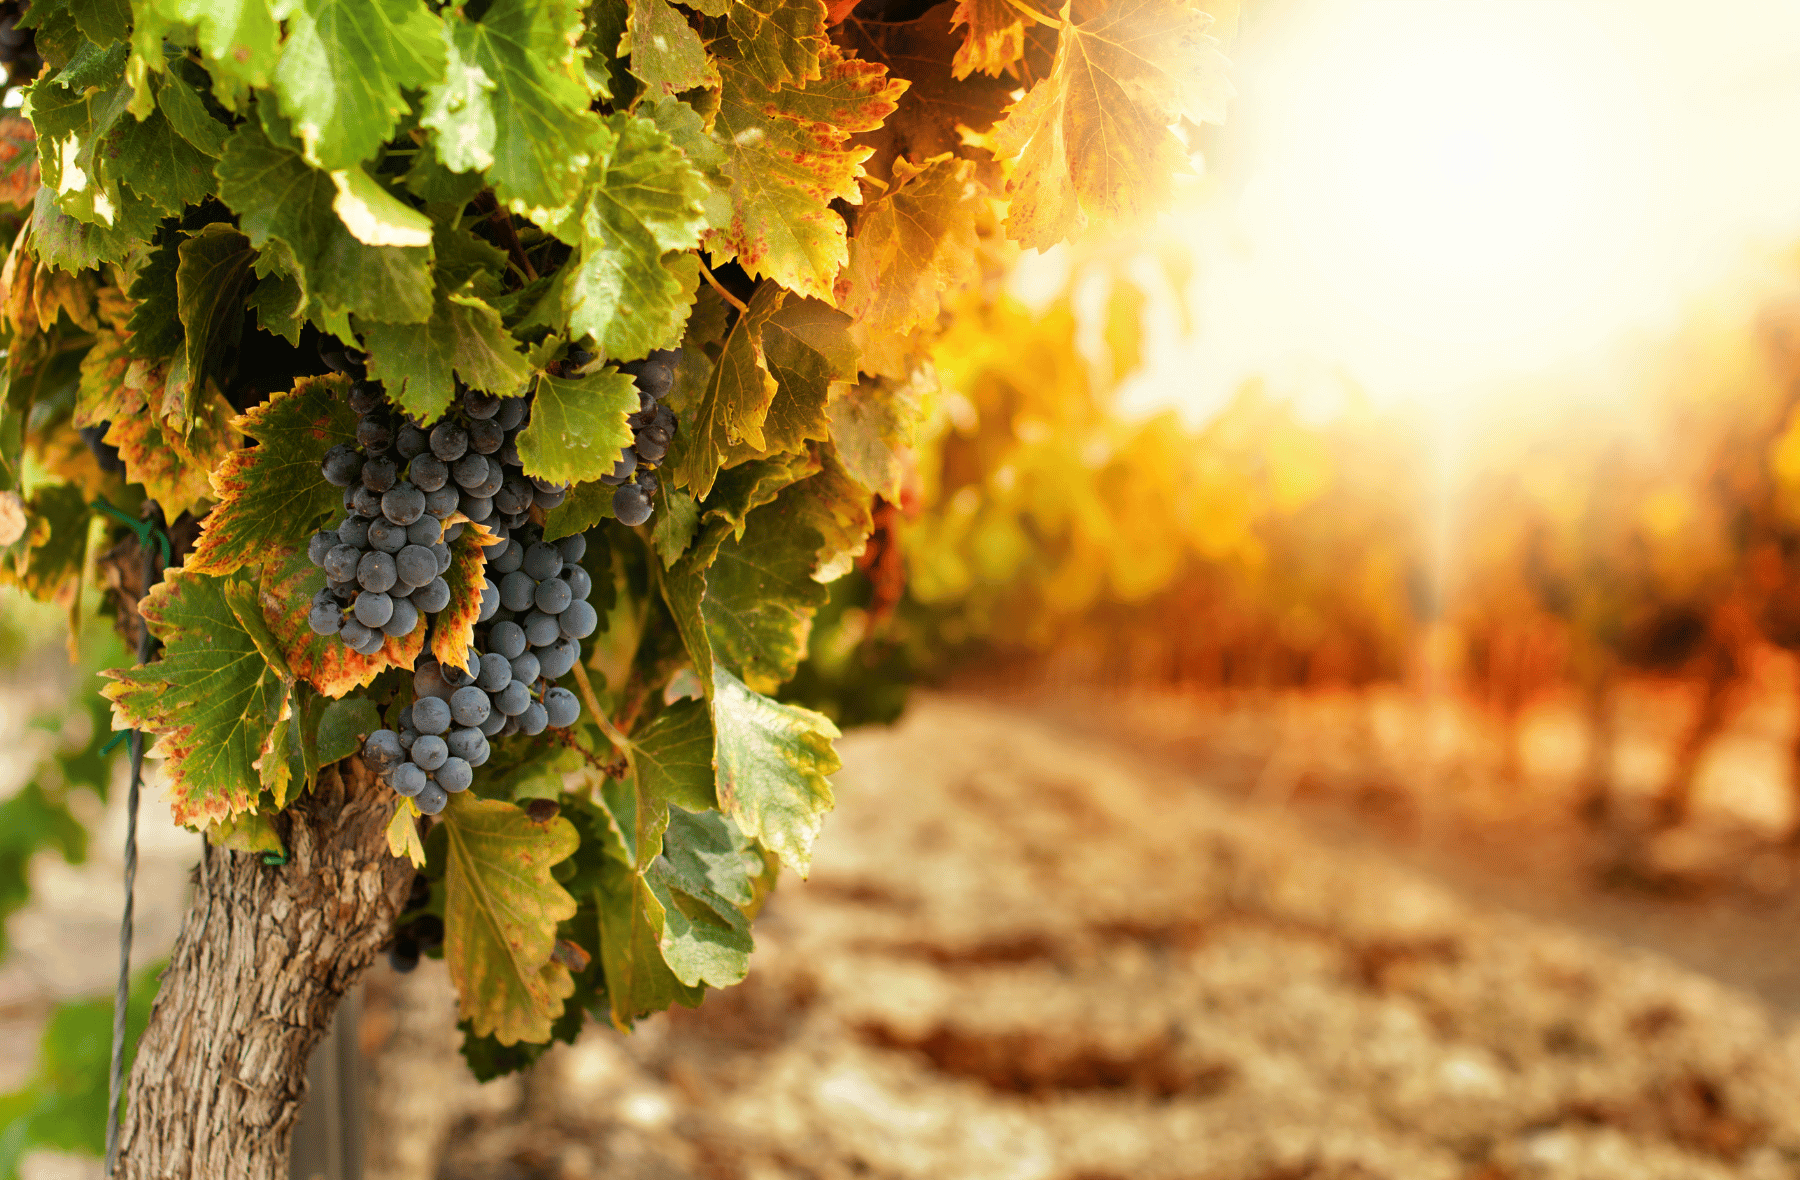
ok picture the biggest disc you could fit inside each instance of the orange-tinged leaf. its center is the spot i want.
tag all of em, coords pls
(151, 460)
(272, 495)
(501, 907)
(1093, 139)
(996, 36)
(18, 162)
(730, 408)
(453, 634)
(285, 590)
(788, 157)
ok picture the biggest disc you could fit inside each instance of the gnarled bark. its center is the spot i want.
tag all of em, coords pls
(264, 956)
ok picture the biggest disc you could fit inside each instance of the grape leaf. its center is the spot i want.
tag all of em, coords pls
(666, 54)
(672, 761)
(676, 520)
(71, 245)
(375, 216)
(211, 281)
(788, 157)
(705, 939)
(534, 125)
(772, 762)
(419, 363)
(240, 39)
(102, 21)
(1093, 138)
(760, 597)
(645, 201)
(638, 978)
(807, 347)
(403, 833)
(155, 322)
(345, 67)
(749, 486)
(586, 506)
(213, 699)
(47, 557)
(684, 126)
(286, 207)
(578, 426)
(186, 112)
(18, 162)
(272, 495)
(872, 426)
(779, 41)
(453, 633)
(286, 588)
(158, 164)
(996, 36)
(913, 247)
(501, 907)
(730, 408)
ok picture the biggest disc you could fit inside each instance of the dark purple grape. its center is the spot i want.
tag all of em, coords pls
(354, 531)
(403, 620)
(433, 596)
(507, 640)
(556, 660)
(496, 479)
(374, 435)
(512, 699)
(512, 412)
(340, 562)
(367, 503)
(325, 618)
(469, 705)
(490, 601)
(319, 544)
(428, 473)
(541, 561)
(541, 629)
(341, 466)
(431, 715)
(469, 744)
(553, 596)
(457, 676)
(408, 779)
(485, 437)
(383, 749)
(623, 470)
(525, 667)
(441, 552)
(365, 396)
(376, 572)
(580, 585)
(373, 609)
(579, 621)
(449, 441)
(532, 721)
(549, 500)
(476, 508)
(517, 590)
(410, 441)
(631, 506)
(386, 536)
(428, 681)
(432, 800)
(443, 502)
(496, 672)
(427, 530)
(415, 565)
(403, 504)
(356, 636)
(455, 775)
(430, 751)
(561, 707)
(507, 560)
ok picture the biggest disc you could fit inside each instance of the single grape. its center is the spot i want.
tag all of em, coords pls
(512, 699)
(457, 676)
(379, 474)
(366, 503)
(409, 778)
(383, 748)
(650, 446)
(542, 561)
(407, 738)
(449, 441)
(556, 660)
(431, 715)
(492, 725)
(440, 552)
(656, 381)
(455, 775)
(325, 618)
(401, 623)
(541, 629)
(496, 479)
(631, 506)
(319, 544)
(480, 405)
(343, 590)
(373, 435)
(495, 672)
(490, 601)
(428, 473)
(410, 441)
(553, 596)
(403, 504)
(580, 584)
(465, 742)
(476, 508)
(355, 531)
(511, 727)
(355, 635)
(579, 621)
(517, 590)
(622, 470)
(444, 501)
(373, 609)
(526, 667)
(427, 530)
(561, 707)
(646, 482)
(365, 396)
(506, 640)
(485, 437)
(340, 562)
(433, 596)
(573, 548)
(454, 531)
(432, 799)
(508, 453)
(513, 496)
(549, 500)
(470, 471)
(375, 571)
(415, 565)
(532, 721)
(386, 536)
(341, 466)
(428, 681)
(512, 412)
(403, 719)
(350, 496)
(430, 751)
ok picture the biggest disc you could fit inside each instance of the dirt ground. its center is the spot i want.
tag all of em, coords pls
(1027, 952)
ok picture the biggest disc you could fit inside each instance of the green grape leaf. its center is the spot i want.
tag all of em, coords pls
(49, 553)
(586, 505)
(186, 111)
(250, 831)
(240, 39)
(286, 207)
(672, 760)
(779, 41)
(666, 53)
(646, 201)
(772, 762)
(155, 322)
(710, 855)
(289, 581)
(212, 701)
(683, 125)
(872, 426)
(71, 245)
(271, 496)
(729, 409)
(837, 507)
(705, 940)
(532, 132)
(211, 282)
(345, 67)
(102, 21)
(638, 979)
(419, 363)
(375, 216)
(501, 907)
(748, 486)
(578, 426)
(158, 164)
(807, 347)
(788, 156)
(342, 727)
(677, 519)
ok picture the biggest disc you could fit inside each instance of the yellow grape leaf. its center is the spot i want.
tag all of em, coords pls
(779, 40)
(501, 907)
(788, 157)
(286, 589)
(995, 40)
(403, 833)
(1093, 139)
(453, 634)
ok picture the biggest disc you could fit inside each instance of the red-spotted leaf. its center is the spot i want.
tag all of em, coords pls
(453, 633)
(286, 589)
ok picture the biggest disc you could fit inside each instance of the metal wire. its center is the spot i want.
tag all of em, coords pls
(122, 992)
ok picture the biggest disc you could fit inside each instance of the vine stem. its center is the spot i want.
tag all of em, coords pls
(720, 288)
(619, 741)
(1036, 16)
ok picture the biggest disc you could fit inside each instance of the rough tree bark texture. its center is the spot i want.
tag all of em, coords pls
(264, 956)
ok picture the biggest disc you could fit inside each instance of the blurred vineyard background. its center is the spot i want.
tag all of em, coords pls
(1524, 609)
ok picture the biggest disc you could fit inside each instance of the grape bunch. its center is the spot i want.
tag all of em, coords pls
(533, 622)
(384, 561)
(653, 428)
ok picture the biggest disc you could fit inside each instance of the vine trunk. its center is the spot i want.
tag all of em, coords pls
(264, 956)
